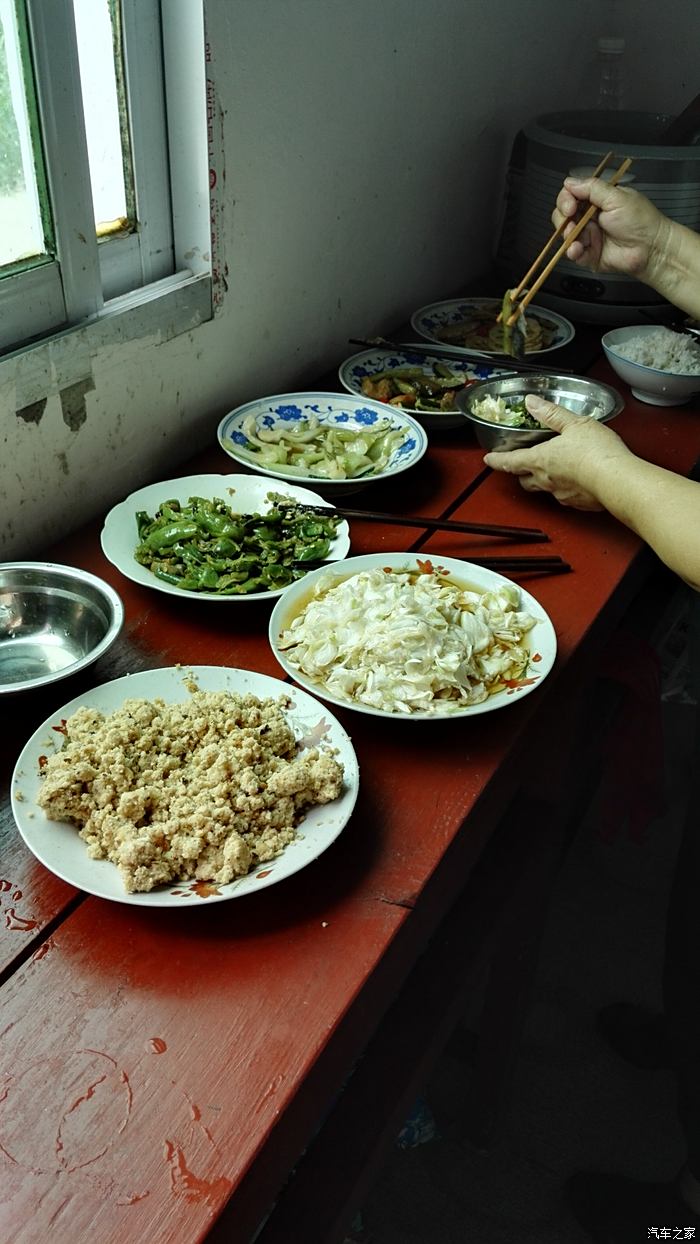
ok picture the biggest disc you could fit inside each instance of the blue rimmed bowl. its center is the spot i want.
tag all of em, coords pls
(331, 410)
(432, 321)
(371, 365)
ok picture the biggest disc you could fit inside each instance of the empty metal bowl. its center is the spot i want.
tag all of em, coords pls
(54, 620)
(577, 393)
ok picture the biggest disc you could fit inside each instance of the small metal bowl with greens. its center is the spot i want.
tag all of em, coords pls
(222, 537)
(496, 408)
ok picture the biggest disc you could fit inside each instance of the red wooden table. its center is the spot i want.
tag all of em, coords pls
(163, 1070)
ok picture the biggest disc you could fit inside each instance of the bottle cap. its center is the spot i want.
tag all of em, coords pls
(611, 43)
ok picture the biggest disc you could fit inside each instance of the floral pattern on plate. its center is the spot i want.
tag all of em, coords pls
(370, 363)
(333, 410)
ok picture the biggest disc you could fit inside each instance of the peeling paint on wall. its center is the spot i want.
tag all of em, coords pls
(73, 406)
(33, 412)
(49, 367)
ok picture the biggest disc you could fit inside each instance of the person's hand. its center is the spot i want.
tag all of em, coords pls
(566, 465)
(628, 235)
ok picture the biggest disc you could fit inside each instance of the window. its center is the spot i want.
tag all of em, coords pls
(89, 152)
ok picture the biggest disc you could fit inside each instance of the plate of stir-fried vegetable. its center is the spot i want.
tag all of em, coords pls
(337, 442)
(222, 537)
(422, 384)
(471, 324)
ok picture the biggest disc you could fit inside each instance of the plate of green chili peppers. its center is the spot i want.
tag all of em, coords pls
(222, 537)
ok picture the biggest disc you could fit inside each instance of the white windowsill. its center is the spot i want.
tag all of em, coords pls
(177, 304)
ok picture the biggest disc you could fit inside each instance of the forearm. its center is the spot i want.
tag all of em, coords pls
(661, 507)
(674, 269)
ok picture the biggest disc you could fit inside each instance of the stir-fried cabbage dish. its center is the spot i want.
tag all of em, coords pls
(310, 448)
(410, 641)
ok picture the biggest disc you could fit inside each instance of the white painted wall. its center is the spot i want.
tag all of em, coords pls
(365, 148)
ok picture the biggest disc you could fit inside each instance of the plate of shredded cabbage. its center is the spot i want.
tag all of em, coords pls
(336, 441)
(397, 635)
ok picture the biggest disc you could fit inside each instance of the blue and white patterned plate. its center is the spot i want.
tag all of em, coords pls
(339, 410)
(428, 321)
(370, 363)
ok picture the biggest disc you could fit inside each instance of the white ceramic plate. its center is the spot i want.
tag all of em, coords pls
(541, 639)
(428, 321)
(248, 494)
(370, 363)
(59, 848)
(342, 410)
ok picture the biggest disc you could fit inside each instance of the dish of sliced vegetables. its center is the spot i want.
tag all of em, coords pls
(470, 323)
(400, 636)
(222, 537)
(420, 383)
(514, 413)
(335, 440)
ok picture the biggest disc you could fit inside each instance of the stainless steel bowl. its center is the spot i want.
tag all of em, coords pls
(54, 620)
(577, 393)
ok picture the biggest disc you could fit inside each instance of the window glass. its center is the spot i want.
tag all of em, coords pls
(105, 120)
(21, 229)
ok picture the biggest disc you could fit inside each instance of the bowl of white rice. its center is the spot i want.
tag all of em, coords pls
(661, 367)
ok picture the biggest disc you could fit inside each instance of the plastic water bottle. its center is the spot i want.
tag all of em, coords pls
(611, 49)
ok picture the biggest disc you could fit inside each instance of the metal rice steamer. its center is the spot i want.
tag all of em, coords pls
(558, 144)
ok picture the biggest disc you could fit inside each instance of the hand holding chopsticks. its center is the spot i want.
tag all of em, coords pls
(519, 304)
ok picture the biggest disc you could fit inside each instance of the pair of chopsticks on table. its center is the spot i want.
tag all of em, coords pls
(507, 561)
(457, 353)
(519, 303)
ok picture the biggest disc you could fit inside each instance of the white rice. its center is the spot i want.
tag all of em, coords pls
(664, 350)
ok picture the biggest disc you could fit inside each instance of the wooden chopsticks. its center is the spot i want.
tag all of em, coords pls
(540, 565)
(505, 362)
(522, 535)
(515, 293)
(577, 229)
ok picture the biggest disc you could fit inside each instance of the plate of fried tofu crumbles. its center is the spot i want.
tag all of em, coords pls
(177, 786)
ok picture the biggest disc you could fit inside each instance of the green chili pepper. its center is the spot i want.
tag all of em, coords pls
(276, 574)
(189, 585)
(313, 552)
(171, 533)
(255, 585)
(225, 548)
(220, 525)
(208, 579)
(205, 546)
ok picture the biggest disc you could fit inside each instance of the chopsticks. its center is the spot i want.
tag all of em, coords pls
(523, 535)
(543, 565)
(506, 361)
(548, 245)
(577, 229)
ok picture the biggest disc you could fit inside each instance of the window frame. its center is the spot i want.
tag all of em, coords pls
(90, 280)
